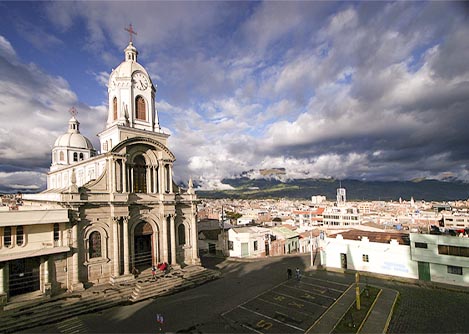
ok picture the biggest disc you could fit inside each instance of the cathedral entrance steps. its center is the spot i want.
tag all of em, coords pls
(67, 305)
(176, 280)
(95, 298)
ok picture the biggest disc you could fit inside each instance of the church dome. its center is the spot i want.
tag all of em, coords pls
(73, 138)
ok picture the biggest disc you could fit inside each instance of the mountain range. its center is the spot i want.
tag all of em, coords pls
(420, 189)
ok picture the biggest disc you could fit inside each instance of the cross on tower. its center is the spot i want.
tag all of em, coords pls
(131, 31)
(73, 111)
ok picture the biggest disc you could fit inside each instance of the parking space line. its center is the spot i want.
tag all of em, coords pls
(252, 329)
(260, 294)
(273, 319)
(308, 291)
(325, 287)
(318, 279)
(288, 308)
(302, 300)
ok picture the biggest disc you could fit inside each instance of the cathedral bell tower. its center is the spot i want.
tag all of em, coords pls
(131, 96)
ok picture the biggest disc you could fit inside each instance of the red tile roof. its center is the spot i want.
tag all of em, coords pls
(381, 237)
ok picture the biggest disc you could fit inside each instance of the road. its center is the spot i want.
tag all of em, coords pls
(226, 305)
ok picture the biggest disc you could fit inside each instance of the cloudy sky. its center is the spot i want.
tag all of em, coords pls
(363, 90)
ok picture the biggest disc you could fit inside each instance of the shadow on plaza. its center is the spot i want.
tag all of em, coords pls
(198, 310)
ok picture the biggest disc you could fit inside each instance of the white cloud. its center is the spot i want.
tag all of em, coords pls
(6, 50)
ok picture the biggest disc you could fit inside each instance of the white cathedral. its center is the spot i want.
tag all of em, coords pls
(102, 214)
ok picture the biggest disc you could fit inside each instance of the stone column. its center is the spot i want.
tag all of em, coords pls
(165, 238)
(113, 177)
(170, 178)
(124, 175)
(115, 248)
(173, 239)
(3, 284)
(148, 177)
(160, 177)
(126, 246)
(45, 276)
(155, 179)
(194, 236)
(131, 184)
(76, 284)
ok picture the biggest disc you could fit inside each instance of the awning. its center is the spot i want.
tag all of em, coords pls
(33, 253)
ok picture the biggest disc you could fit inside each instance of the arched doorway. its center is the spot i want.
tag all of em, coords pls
(143, 245)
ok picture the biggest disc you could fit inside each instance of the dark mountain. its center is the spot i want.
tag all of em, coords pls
(429, 190)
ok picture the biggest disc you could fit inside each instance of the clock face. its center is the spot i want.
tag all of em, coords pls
(140, 81)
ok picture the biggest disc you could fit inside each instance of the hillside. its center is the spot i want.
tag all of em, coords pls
(429, 190)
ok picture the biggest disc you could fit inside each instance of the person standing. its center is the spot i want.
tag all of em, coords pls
(153, 273)
(298, 274)
(289, 273)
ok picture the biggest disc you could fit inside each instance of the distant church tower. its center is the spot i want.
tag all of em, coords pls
(341, 196)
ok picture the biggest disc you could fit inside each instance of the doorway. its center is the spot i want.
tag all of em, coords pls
(343, 260)
(24, 276)
(424, 271)
(143, 246)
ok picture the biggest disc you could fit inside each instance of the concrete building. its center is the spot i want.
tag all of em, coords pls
(428, 257)
(441, 258)
(378, 252)
(247, 241)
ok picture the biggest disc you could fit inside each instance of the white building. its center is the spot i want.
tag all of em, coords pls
(247, 241)
(436, 258)
(115, 210)
(377, 252)
(340, 216)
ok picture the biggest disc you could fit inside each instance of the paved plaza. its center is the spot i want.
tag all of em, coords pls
(257, 297)
(290, 307)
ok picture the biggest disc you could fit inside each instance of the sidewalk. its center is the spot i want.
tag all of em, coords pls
(377, 321)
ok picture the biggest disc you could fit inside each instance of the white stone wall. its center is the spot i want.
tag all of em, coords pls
(84, 171)
(389, 259)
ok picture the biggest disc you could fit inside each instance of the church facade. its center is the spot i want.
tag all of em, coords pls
(115, 210)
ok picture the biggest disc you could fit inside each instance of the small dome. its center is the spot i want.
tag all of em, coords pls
(73, 137)
(75, 140)
(129, 65)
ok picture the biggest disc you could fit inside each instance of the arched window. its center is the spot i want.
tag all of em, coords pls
(140, 175)
(19, 235)
(94, 246)
(75, 156)
(114, 107)
(7, 236)
(140, 110)
(181, 234)
(105, 146)
(81, 156)
(61, 156)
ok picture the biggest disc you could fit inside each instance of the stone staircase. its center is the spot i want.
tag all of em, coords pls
(176, 280)
(62, 307)
(38, 312)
